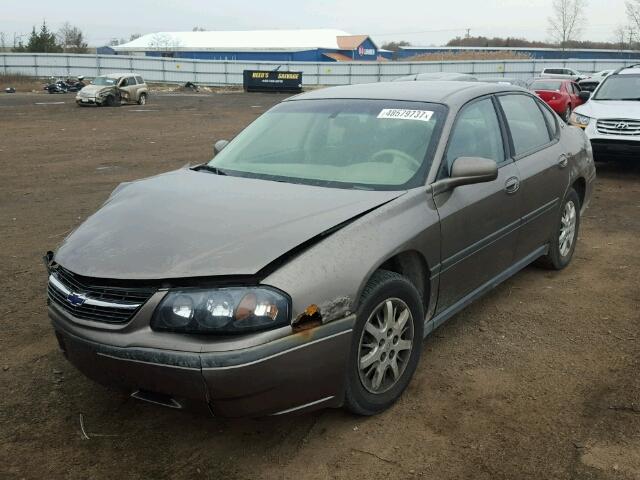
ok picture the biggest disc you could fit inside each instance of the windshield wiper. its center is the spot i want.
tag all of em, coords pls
(209, 168)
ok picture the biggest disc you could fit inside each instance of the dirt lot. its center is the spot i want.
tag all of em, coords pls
(539, 380)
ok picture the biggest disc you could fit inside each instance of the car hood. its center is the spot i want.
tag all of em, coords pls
(610, 109)
(95, 89)
(188, 224)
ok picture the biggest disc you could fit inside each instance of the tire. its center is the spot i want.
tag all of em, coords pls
(142, 100)
(559, 255)
(113, 101)
(384, 288)
(566, 114)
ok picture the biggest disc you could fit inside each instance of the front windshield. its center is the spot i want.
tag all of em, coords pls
(545, 85)
(104, 81)
(619, 87)
(374, 144)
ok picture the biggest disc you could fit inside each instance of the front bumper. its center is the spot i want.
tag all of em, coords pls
(623, 147)
(88, 100)
(295, 373)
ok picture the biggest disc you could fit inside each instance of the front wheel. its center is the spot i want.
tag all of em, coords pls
(563, 242)
(386, 344)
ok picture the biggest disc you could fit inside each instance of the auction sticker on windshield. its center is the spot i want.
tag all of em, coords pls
(404, 114)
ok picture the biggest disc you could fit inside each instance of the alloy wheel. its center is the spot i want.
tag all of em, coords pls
(567, 228)
(385, 345)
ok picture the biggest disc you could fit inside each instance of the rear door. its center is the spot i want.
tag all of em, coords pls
(534, 144)
(478, 222)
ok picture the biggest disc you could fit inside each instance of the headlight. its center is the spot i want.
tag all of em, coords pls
(222, 310)
(579, 120)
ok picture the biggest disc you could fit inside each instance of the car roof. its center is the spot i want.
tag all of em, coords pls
(121, 74)
(557, 79)
(446, 92)
(630, 71)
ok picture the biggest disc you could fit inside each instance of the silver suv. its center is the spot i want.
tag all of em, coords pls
(113, 89)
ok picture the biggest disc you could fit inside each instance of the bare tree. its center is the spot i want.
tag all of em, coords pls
(198, 29)
(72, 39)
(633, 16)
(134, 36)
(633, 13)
(620, 36)
(3, 41)
(567, 20)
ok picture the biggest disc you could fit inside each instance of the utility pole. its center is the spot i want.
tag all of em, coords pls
(468, 33)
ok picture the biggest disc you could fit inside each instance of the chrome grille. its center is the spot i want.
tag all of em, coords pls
(88, 299)
(620, 127)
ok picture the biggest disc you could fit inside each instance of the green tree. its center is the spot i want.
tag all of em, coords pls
(44, 41)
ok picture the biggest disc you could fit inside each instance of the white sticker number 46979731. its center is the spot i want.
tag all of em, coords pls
(404, 114)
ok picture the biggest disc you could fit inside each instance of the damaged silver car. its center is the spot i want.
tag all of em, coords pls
(303, 266)
(113, 90)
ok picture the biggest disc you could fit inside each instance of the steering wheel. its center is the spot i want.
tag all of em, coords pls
(397, 154)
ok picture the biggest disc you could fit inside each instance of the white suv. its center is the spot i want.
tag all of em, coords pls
(569, 73)
(611, 116)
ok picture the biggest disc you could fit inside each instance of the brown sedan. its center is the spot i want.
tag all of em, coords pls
(303, 266)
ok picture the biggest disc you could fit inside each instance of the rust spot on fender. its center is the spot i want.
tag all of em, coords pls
(314, 315)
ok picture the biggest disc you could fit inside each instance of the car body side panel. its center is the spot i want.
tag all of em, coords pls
(343, 262)
(479, 230)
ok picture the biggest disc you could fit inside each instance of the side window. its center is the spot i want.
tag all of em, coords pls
(139, 80)
(124, 82)
(550, 117)
(526, 122)
(476, 133)
(131, 81)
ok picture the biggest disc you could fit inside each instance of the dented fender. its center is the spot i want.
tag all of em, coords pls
(332, 273)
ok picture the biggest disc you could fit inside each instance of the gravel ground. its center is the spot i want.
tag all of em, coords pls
(538, 380)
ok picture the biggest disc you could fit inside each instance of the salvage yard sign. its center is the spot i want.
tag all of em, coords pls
(274, 80)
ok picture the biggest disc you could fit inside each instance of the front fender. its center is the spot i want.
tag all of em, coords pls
(333, 273)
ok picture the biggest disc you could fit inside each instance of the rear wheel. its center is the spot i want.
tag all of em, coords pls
(563, 242)
(142, 100)
(386, 344)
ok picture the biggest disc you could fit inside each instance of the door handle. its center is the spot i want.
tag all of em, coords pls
(512, 185)
(563, 161)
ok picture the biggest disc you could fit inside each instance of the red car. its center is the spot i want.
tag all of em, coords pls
(560, 94)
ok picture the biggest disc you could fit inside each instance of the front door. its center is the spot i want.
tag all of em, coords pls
(128, 89)
(478, 222)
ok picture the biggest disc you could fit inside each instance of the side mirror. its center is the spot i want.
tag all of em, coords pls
(584, 95)
(467, 171)
(219, 145)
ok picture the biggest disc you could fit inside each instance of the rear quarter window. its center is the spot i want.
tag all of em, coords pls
(550, 118)
(526, 123)
(139, 80)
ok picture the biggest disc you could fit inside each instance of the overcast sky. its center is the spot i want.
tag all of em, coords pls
(422, 22)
